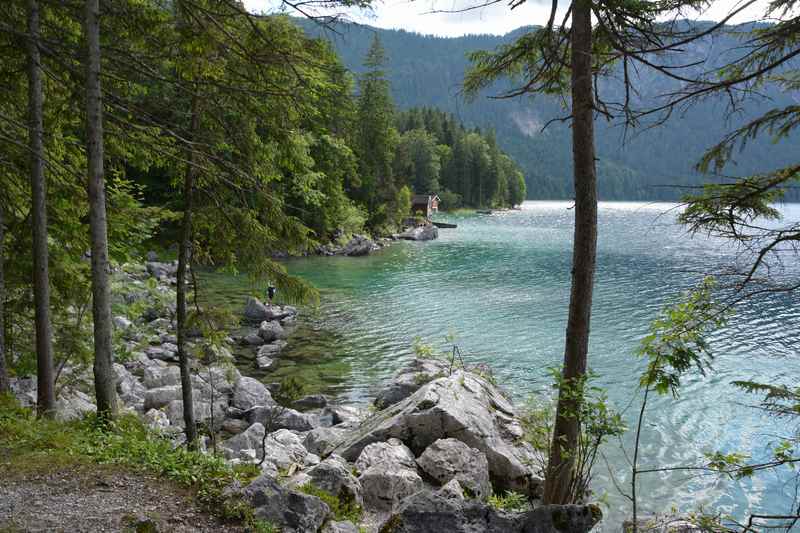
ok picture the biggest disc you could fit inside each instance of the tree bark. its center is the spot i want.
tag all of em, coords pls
(184, 254)
(561, 464)
(5, 386)
(104, 382)
(46, 398)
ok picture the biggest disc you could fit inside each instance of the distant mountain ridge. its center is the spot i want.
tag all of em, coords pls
(655, 164)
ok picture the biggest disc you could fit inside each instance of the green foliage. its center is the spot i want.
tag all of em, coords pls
(677, 339)
(510, 501)
(343, 507)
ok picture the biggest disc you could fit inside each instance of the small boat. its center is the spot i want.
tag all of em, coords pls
(445, 225)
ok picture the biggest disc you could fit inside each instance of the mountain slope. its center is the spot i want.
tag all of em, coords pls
(642, 164)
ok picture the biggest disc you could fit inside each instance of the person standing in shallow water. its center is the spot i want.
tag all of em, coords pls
(270, 294)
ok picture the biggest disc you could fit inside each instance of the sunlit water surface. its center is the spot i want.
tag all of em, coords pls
(500, 283)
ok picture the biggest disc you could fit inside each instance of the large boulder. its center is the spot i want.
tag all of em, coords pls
(249, 392)
(271, 330)
(73, 405)
(340, 527)
(161, 396)
(420, 233)
(334, 477)
(388, 474)
(129, 388)
(284, 448)
(256, 312)
(292, 511)
(409, 379)
(203, 413)
(156, 376)
(245, 446)
(392, 452)
(357, 246)
(448, 459)
(323, 440)
(463, 406)
(162, 271)
(440, 512)
(385, 485)
(278, 417)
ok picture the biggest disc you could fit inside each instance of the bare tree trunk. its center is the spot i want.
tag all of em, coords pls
(46, 398)
(184, 253)
(5, 386)
(561, 464)
(104, 382)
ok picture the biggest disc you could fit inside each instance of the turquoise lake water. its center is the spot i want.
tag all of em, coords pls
(500, 284)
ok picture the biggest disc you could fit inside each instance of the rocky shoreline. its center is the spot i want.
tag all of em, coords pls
(426, 457)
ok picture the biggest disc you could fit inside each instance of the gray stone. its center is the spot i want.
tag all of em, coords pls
(409, 379)
(161, 353)
(245, 446)
(122, 323)
(202, 413)
(234, 426)
(249, 393)
(161, 396)
(452, 489)
(284, 449)
(448, 459)
(256, 312)
(292, 511)
(390, 453)
(271, 331)
(385, 485)
(463, 406)
(151, 256)
(340, 527)
(334, 477)
(265, 363)
(73, 405)
(222, 379)
(272, 349)
(436, 512)
(323, 440)
(315, 401)
(252, 339)
(129, 388)
(155, 376)
(156, 420)
(162, 271)
(342, 414)
(420, 233)
(278, 417)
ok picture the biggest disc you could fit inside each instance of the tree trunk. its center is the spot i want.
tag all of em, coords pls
(5, 386)
(46, 398)
(104, 382)
(561, 466)
(184, 253)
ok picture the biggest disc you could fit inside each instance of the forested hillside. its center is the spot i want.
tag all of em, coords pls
(645, 163)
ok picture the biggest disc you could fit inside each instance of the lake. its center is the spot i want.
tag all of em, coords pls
(500, 284)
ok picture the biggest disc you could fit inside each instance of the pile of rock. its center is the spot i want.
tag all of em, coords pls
(358, 245)
(425, 232)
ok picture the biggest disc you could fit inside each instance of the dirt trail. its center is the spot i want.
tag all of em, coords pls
(97, 499)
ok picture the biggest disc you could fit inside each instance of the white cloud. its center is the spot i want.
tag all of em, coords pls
(428, 16)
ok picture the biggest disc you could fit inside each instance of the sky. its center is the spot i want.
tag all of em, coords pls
(430, 16)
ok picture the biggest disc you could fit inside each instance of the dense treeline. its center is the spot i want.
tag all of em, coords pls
(466, 168)
(641, 164)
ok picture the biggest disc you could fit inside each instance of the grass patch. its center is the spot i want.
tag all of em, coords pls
(31, 444)
(510, 501)
(342, 507)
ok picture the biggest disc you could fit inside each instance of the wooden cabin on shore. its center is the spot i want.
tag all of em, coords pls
(427, 204)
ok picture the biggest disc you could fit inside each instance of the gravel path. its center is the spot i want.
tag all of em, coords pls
(98, 498)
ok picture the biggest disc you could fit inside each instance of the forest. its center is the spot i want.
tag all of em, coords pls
(148, 148)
